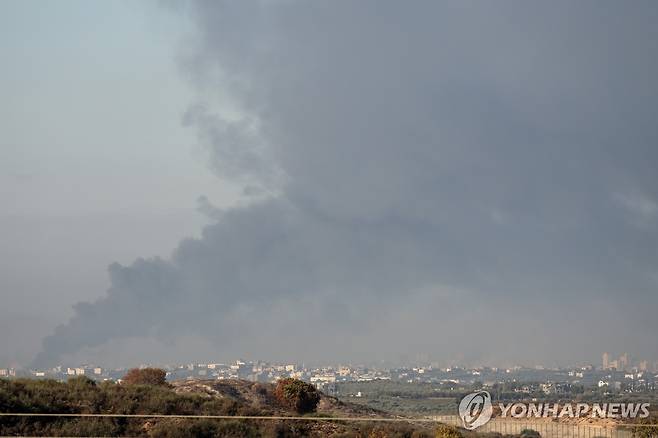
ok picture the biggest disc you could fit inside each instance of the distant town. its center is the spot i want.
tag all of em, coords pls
(620, 374)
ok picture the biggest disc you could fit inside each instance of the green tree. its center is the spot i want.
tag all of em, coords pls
(297, 395)
(145, 376)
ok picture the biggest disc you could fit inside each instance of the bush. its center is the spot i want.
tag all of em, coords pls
(204, 429)
(400, 430)
(646, 431)
(88, 427)
(145, 376)
(445, 431)
(297, 395)
(530, 433)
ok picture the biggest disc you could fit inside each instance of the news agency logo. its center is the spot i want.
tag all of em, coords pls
(475, 409)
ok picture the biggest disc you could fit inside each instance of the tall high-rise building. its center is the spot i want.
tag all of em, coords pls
(623, 362)
(605, 359)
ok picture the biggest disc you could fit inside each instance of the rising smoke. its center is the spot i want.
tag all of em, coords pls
(417, 173)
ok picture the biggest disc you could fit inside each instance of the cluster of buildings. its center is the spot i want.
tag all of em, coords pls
(324, 378)
(625, 363)
(58, 372)
(615, 375)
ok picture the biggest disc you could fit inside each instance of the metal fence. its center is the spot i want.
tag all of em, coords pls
(501, 426)
(547, 429)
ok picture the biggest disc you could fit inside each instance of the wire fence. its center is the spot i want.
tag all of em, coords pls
(555, 429)
(545, 429)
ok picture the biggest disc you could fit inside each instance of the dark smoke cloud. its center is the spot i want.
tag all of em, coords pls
(420, 174)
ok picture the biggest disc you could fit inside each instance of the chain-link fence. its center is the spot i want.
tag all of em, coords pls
(553, 429)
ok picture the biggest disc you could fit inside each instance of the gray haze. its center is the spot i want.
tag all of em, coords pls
(470, 181)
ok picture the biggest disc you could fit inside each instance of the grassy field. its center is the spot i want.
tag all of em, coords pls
(399, 397)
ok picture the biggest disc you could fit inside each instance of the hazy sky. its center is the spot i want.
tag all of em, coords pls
(383, 180)
(96, 166)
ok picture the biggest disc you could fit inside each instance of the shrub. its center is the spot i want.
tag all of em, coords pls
(145, 376)
(203, 429)
(530, 433)
(88, 427)
(445, 431)
(297, 395)
(646, 431)
(400, 430)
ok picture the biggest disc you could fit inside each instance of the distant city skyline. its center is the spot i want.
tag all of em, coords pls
(527, 380)
(624, 362)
